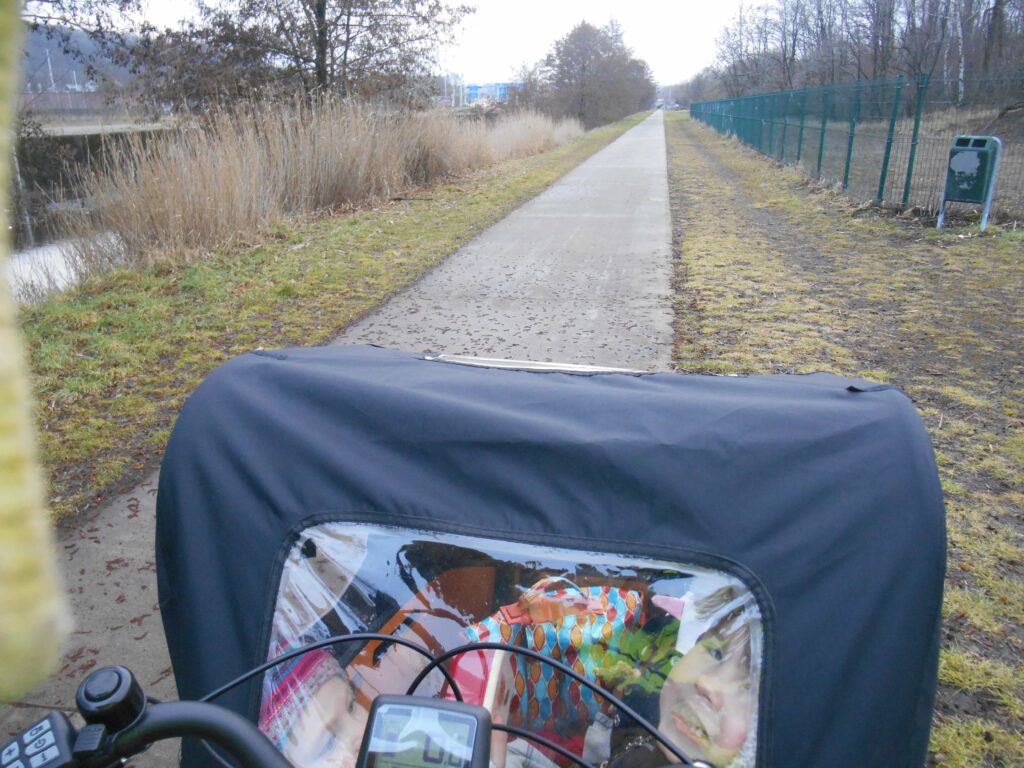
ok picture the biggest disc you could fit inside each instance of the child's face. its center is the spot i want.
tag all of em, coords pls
(330, 730)
(707, 703)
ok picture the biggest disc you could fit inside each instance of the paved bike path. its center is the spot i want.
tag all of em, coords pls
(579, 274)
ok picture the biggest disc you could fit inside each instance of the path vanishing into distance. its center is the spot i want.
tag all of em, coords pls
(580, 274)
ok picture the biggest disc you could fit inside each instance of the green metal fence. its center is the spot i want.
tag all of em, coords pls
(883, 140)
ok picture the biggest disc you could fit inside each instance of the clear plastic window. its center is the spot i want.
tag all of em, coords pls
(680, 644)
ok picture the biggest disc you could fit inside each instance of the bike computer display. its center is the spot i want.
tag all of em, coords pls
(417, 732)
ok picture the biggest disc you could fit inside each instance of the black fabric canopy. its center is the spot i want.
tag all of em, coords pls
(822, 490)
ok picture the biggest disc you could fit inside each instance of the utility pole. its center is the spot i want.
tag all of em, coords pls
(49, 66)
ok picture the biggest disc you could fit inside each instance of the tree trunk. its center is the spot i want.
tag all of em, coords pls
(994, 38)
(320, 13)
(346, 46)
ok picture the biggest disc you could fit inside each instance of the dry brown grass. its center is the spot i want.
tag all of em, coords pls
(931, 155)
(772, 278)
(237, 171)
(528, 133)
(566, 130)
(114, 357)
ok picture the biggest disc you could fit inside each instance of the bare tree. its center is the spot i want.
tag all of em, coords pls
(746, 50)
(593, 76)
(90, 16)
(706, 85)
(347, 46)
(882, 14)
(791, 27)
(823, 54)
(925, 23)
(215, 61)
(794, 43)
(111, 27)
(996, 33)
(532, 88)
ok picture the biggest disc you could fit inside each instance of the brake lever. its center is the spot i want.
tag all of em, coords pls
(121, 723)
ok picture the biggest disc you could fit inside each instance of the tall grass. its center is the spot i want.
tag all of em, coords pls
(237, 170)
(529, 133)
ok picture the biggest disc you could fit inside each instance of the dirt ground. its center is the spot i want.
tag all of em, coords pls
(774, 276)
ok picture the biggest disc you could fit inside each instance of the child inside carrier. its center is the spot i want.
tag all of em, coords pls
(753, 566)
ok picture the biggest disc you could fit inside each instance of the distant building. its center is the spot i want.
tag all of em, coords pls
(451, 90)
(490, 93)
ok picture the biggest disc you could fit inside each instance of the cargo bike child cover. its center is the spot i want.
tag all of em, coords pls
(753, 564)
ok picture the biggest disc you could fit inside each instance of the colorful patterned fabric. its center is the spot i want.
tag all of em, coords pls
(289, 687)
(570, 624)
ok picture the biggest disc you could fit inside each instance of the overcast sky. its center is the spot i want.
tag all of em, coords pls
(675, 37)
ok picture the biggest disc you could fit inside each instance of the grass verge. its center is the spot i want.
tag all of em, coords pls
(114, 359)
(772, 278)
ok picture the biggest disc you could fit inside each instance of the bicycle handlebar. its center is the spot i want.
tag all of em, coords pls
(122, 723)
(236, 735)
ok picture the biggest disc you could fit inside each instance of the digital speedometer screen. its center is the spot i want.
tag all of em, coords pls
(405, 736)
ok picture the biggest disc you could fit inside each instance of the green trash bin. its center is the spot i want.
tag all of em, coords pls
(971, 174)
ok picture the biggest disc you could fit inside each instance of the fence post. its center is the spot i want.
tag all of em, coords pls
(759, 111)
(776, 103)
(750, 103)
(803, 117)
(754, 123)
(922, 88)
(888, 140)
(827, 99)
(759, 104)
(748, 116)
(785, 125)
(770, 103)
(853, 129)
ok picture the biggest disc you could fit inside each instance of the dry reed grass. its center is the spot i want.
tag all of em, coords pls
(235, 171)
(567, 130)
(529, 133)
